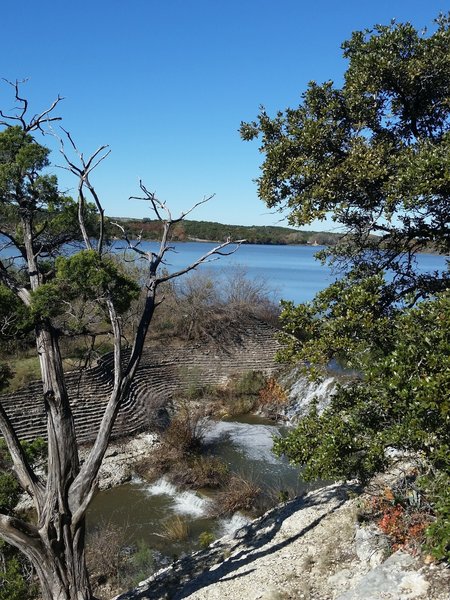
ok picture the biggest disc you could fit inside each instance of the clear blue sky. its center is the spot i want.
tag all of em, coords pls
(166, 84)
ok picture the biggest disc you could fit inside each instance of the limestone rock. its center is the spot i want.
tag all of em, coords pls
(395, 579)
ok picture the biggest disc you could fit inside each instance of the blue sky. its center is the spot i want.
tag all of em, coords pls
(166, 84)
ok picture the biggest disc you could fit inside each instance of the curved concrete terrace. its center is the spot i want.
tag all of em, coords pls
(163, 371)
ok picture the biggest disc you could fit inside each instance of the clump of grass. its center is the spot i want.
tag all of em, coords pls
(175, 529)
(179, 456)
(200, 472)
(272, 496)
(180, 441)
(239, 494)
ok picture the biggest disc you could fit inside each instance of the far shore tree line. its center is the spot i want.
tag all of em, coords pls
(150, 229)
(373, 155)
(189, 230)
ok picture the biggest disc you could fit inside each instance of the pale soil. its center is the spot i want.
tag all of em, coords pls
(121, 458)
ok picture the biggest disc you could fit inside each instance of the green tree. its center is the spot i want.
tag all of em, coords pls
(37, 221)
(374, 155)
(15, 572)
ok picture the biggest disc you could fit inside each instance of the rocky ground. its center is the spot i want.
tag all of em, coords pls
(310, 548)
(121, 457)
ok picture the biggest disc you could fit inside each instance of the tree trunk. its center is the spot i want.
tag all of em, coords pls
(56, 551)
(62, 572)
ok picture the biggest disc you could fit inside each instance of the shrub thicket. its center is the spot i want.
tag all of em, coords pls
(400, 401)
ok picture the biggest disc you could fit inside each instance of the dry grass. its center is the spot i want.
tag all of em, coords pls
(200, 472)
(25, 368)
(239, 494)
(175, 529)
(103, 552)
(179, 454)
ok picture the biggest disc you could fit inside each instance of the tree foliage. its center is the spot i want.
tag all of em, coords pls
(25, 185)
(373, 154)
(403, 402)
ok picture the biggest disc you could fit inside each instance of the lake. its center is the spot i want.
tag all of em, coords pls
(291, 272)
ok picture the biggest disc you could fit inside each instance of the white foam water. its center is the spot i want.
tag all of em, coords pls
(232, 524)
(304, 391)
(184, 503)
(162, 487)
(256, 441)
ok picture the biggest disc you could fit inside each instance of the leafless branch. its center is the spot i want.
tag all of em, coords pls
(38, 120)
(82, 173)
(130, 245)
(217, 251)
(197, 204)
(157, 205)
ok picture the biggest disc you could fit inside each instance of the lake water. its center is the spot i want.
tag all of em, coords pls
(290, 272)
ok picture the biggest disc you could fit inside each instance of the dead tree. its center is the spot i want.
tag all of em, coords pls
(55, 542)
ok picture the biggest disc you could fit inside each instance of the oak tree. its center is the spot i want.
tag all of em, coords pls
(373, 155)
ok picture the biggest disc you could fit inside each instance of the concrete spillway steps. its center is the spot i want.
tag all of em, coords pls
(163, 372)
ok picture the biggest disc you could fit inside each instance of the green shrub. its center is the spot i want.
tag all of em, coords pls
(401, 401)
(241, 395)
(205, 539)
(249, 383)
(14, 576)
(141, 564)
(437, 490)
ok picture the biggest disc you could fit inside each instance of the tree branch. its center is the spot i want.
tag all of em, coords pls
(215, 251)
(13, 285)
(19, 533)
(83, 173)
(37, 121)
(26, 476)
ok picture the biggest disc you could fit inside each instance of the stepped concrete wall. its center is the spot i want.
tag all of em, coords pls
(163, 372)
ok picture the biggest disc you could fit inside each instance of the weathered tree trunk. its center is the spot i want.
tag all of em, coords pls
(57, 553)
(62, 573)
(55, 544)
(62, 570)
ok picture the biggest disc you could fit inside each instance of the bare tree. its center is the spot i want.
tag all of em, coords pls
(55, 543)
